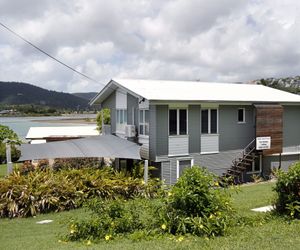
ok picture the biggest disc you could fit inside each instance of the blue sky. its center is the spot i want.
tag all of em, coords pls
(226, 41)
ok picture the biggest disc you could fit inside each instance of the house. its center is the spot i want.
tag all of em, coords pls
(37, 135)
(232, 129)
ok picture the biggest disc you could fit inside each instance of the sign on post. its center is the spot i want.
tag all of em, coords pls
(263, 143)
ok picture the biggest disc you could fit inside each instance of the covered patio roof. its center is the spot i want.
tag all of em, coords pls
(109, 146)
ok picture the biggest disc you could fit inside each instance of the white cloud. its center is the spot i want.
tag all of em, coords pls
(225, 40)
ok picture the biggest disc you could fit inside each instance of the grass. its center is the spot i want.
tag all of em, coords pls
(3, 169)
(277, 233)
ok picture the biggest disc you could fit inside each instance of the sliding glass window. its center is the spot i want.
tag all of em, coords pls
(178, 122)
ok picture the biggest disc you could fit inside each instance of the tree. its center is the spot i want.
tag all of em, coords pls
(106, 118)
(8, 134)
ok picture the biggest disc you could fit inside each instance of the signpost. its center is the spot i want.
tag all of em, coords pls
(263, 143)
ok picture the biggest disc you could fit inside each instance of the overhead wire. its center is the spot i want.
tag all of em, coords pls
(56, 59)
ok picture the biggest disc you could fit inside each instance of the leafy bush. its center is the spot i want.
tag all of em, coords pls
(45, 191)
(26, 167)
(76, 163)
(198, 205)
(106, 118)
(116, 218)
(7, 133)
(288, 191)
(15, 152)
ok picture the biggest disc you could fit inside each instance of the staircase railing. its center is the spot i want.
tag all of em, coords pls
(238, 164)
(252, 143)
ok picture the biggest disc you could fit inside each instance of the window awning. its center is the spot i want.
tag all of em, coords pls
(109, 146)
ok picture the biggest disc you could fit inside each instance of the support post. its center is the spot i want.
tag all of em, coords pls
(260, 164)
(8, 158)
(117, 164)
(279, 161)
(146, 172)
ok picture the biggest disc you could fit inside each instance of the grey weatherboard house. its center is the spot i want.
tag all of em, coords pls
(215, 125)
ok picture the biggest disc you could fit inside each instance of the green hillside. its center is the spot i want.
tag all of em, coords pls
(88, 95)
(289, 84)
(18, 93)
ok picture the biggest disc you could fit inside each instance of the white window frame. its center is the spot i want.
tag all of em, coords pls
(178, 121)
(244, 116)
(177, 165)
(209, 121)
(120, 127)
(143, 123)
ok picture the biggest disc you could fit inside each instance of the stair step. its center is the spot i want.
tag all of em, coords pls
(246, 159)
(240, 165)
(234, 171)
(244, 163)
(242, 168)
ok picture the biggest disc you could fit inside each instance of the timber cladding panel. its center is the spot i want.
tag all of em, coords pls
(269, 122)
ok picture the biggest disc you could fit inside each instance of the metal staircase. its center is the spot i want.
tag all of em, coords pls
(239, 165)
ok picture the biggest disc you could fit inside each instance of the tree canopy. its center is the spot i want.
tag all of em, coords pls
(7, 133)
(106, 118)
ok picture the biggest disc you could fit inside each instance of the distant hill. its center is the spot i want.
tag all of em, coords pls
(87, 96)
(18, 93)
(290, 84)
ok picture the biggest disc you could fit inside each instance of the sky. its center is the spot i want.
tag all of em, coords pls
(216, 40)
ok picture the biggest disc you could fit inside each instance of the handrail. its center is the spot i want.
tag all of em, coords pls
(243, 152)
(249, 145)
(237, 161)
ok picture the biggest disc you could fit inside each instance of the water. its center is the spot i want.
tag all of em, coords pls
(21, 125)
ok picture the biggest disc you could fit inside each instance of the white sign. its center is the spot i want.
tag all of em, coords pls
(263, 143)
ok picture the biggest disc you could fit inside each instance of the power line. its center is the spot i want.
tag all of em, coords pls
(53, 58)
(47, 54)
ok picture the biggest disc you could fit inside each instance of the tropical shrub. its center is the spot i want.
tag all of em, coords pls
(288, 191)
(106, 118)
(76, 163)
(9, 134)
(47, 190)
(26, 167)
(198, 205)
(116, 218)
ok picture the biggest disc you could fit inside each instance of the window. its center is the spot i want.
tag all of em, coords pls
(121, 116)
(144, 122)
(209, 121)
(182, 165)
(178, 122)
(241, 115)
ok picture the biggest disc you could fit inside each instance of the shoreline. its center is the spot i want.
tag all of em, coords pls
(69, 120)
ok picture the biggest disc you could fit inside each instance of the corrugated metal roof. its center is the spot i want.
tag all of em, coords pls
(66, 131)
(204, 91)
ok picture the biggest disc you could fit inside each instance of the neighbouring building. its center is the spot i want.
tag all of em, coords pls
(230, 128)
(37, 135)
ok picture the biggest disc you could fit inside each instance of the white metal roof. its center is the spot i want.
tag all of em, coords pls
(203, 91)
(65, 131)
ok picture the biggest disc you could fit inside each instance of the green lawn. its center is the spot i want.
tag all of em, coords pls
(3, 169)
(275, 234)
